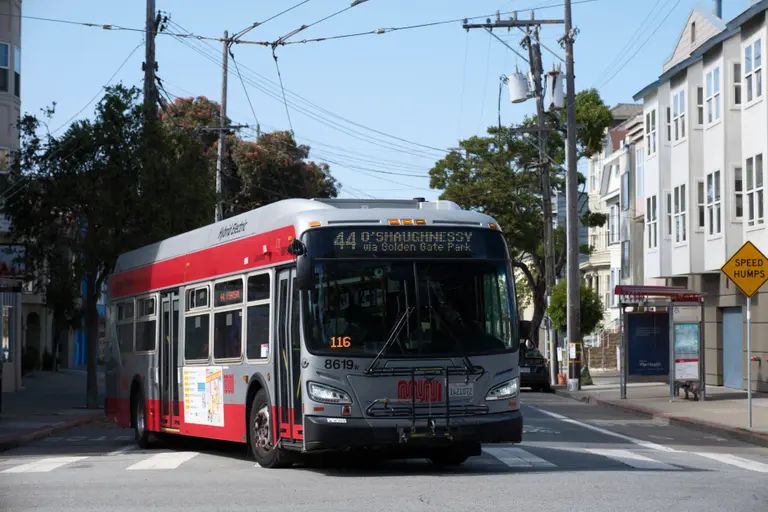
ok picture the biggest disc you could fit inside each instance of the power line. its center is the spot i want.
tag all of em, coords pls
(355, 3)
(282, 89)
(245, 89)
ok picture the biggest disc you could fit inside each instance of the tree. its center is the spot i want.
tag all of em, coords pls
(590, 304)
(499, 175)
(102, 188)
(254, 173)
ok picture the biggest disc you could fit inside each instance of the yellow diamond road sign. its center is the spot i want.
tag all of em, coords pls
(747, 268)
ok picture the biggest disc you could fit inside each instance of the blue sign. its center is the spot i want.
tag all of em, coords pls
(648, 344)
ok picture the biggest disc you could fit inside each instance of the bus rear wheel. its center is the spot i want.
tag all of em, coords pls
(260, 437)
(140, 432)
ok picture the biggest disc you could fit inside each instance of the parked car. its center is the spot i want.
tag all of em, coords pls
(534, 371)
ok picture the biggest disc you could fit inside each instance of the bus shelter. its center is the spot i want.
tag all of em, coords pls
(662, 332)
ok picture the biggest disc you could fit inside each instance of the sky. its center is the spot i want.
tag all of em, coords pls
(380, 109)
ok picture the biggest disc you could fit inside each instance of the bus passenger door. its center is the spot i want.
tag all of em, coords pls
(168, 352)
(288, 360)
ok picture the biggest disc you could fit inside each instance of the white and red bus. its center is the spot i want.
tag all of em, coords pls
(309, 326)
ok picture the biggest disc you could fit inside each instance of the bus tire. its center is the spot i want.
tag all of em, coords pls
(140, 432)
(260, 435)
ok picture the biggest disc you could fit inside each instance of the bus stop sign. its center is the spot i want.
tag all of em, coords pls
(747, 268)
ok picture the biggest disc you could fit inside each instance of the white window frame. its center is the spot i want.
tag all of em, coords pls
(701, 206)
(738, 193)
(678, 114)
(680, 217)
(261, 302)
(737, 96)
(639, 177)
(700, 106)
(7, 67)
(194, 312)
(669, 123)
(668, 213)
(755, 203)
(613, 224)
(753, 67)
(651, 221)
(650, 131)
(146, 318)
(714, 203)
(712, 95)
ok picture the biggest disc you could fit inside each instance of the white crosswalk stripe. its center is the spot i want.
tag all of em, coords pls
(170, 460)
(518, 457)
(44, 465)
(631, 459)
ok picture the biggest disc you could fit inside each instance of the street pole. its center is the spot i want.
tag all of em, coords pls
(222, 124)
(749, 361)
(573, 315)
(150, 66)
(534, 53)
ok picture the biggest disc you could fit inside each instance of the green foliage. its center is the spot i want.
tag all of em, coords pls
(499, 175)
(590, 304)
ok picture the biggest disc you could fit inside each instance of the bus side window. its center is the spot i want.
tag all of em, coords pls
(257, 329)
(124, 327)
(196, 329)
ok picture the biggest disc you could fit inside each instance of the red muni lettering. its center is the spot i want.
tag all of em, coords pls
(425, 390)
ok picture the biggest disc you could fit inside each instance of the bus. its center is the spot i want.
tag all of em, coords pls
(312, 326)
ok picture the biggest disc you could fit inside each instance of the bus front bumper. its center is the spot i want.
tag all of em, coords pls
(326, 433)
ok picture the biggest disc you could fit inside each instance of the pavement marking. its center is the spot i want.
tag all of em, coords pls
(638, 442)
(170, 460)
(43, 465)
(517, 457)
(733, 460)
(634, 460)
(124, 449)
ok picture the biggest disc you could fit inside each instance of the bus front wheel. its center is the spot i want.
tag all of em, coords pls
(263, 448)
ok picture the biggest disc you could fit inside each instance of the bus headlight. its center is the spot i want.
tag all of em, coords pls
(504, 390)
(327, 394)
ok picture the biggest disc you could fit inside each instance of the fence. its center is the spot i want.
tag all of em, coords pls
(601, 355)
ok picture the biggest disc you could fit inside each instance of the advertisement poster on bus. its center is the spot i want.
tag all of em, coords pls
(648, 344)
(204, 396)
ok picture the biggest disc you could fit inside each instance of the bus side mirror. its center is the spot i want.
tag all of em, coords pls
(525, 329)
(303, 264)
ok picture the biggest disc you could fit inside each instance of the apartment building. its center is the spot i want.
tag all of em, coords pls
(610, 175)
(706, 137)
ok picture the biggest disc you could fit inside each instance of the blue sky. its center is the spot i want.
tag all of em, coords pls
(429, 86)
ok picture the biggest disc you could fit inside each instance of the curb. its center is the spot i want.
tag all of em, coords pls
(738, 434)
(16, 440)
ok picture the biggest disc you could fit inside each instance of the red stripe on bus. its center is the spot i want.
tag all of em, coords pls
(206, 264)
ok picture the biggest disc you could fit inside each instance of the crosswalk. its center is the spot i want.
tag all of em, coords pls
(499, 457)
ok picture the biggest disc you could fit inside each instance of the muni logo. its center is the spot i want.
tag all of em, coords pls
(425, 390)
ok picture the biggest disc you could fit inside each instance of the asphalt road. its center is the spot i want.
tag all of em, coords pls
(575, 457)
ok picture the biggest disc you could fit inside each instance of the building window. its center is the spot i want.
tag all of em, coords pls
(737, 83)
(754, 189)
(701, 204)
(625, 259)
(753, 68)
(613, 225)
(700, 105)
(693, 31)
(680, 216)
(17, 71)
(738, 192)
(650, 131)
(669, 215)
(713, 203)
(651, 222)
(713, 95)
(639, 172)
(678, 114)
(5, 67)
(669, 121)
(625, 191)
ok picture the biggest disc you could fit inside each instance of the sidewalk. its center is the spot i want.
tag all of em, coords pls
(724, 412)
(50, 402)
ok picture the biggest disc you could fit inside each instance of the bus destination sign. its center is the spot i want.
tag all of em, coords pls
(408, 242)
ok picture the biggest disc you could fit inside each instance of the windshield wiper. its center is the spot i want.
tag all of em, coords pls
(394, 334)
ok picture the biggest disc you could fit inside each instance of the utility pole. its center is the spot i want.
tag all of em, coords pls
(150, 66)
(534, 52)
(222, 124)
(573, 317)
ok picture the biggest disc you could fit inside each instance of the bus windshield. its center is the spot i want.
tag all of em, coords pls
(459, 308)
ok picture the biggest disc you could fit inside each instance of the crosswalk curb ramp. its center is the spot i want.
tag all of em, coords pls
(510, 457)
